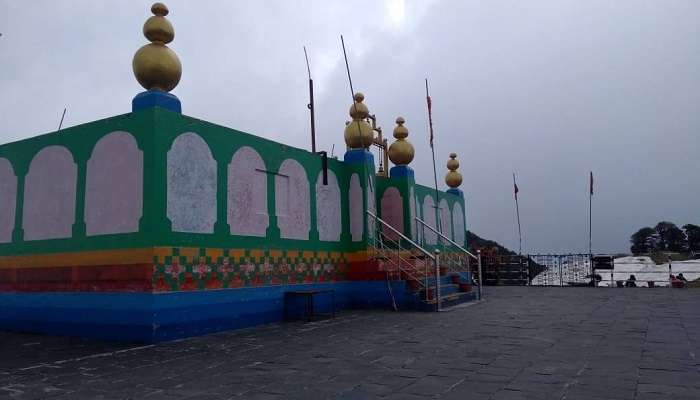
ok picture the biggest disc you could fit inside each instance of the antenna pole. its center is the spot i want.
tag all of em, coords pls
(60, 124)
(311, 104)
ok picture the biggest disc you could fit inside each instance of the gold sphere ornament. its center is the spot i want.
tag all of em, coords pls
(358, 132)
(400, 132)
(452, 163)
(453, 178)
(155, 65)
(401, 152)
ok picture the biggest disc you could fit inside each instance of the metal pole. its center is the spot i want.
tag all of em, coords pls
(612, 280)
(590, 224)
(311, 104)
(469, 270)
(529, 278)
(561, 274)
(478, 255)
(517, 213)
(670, 272)
(437, 281)
(313, 120)
(60, 124)
(438, 226)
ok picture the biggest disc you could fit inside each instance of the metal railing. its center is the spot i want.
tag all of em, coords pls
(456, 261)
(393, 252)
(663, 276)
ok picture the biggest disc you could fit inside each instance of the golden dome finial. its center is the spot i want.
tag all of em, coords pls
(155, 65)
(401, 152)
(358, 133)
(159, 9)
(453, 178)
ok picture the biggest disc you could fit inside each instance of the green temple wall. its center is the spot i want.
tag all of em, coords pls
(154, 131)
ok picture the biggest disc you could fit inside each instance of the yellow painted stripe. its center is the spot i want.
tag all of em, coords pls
(189, 252)
(82, 258)
(257, 254)
(275, 253)
(147, 255)
(215, 253)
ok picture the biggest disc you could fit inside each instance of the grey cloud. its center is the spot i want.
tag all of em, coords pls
(550, 90)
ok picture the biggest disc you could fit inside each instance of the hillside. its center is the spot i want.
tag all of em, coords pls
(476, 242)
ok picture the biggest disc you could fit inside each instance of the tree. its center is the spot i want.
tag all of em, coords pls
(671, 237)
(692, 232)
(644, 241)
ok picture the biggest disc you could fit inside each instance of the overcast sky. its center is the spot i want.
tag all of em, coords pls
(548, 89)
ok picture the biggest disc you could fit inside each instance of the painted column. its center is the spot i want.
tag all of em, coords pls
(401, 153)
(79, 225)
(273, 231)
(18, 232)
(453, 179)
(402, 177)
(155, 162)
(222, 157)
(313, 228)
(358, 137)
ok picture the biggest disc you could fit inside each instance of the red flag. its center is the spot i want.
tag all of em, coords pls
(591, 183)
(430, 118)
(430, 111)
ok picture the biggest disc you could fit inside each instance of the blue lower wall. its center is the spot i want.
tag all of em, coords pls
(155, 317)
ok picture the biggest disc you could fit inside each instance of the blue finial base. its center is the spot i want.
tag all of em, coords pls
(357, 156)
(156, 98)
(456, 192)
(401, 171)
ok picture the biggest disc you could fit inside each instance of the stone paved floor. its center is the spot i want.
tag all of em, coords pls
(522, 343)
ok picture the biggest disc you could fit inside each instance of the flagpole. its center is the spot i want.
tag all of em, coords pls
(590, 216)
(432, 150)
(517, 213)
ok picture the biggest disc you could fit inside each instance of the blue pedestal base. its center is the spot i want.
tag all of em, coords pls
(156, 98)
(456, 192)
(357, 156)
(401, 171)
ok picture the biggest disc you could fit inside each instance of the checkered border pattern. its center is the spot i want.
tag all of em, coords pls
(177, 268)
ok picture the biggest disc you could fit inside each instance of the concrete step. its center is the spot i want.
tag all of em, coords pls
(450, 300)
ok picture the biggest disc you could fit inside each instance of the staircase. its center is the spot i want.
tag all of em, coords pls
(454, 289)
(405, 261)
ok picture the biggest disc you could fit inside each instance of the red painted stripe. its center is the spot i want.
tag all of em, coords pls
(97, 278)
(365, 271)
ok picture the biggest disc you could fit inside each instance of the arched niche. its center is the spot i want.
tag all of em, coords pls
(458, 222)
(191, 203)
(429, 218)
(8, 200)
(247, 194)
(328, 218)
(355, 202)
(371, 206)
(292, 200)
(114, 186)
(49, 195)
(392, 212)
(445, 219)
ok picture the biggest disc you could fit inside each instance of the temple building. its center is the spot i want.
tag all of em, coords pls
(153, 225)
